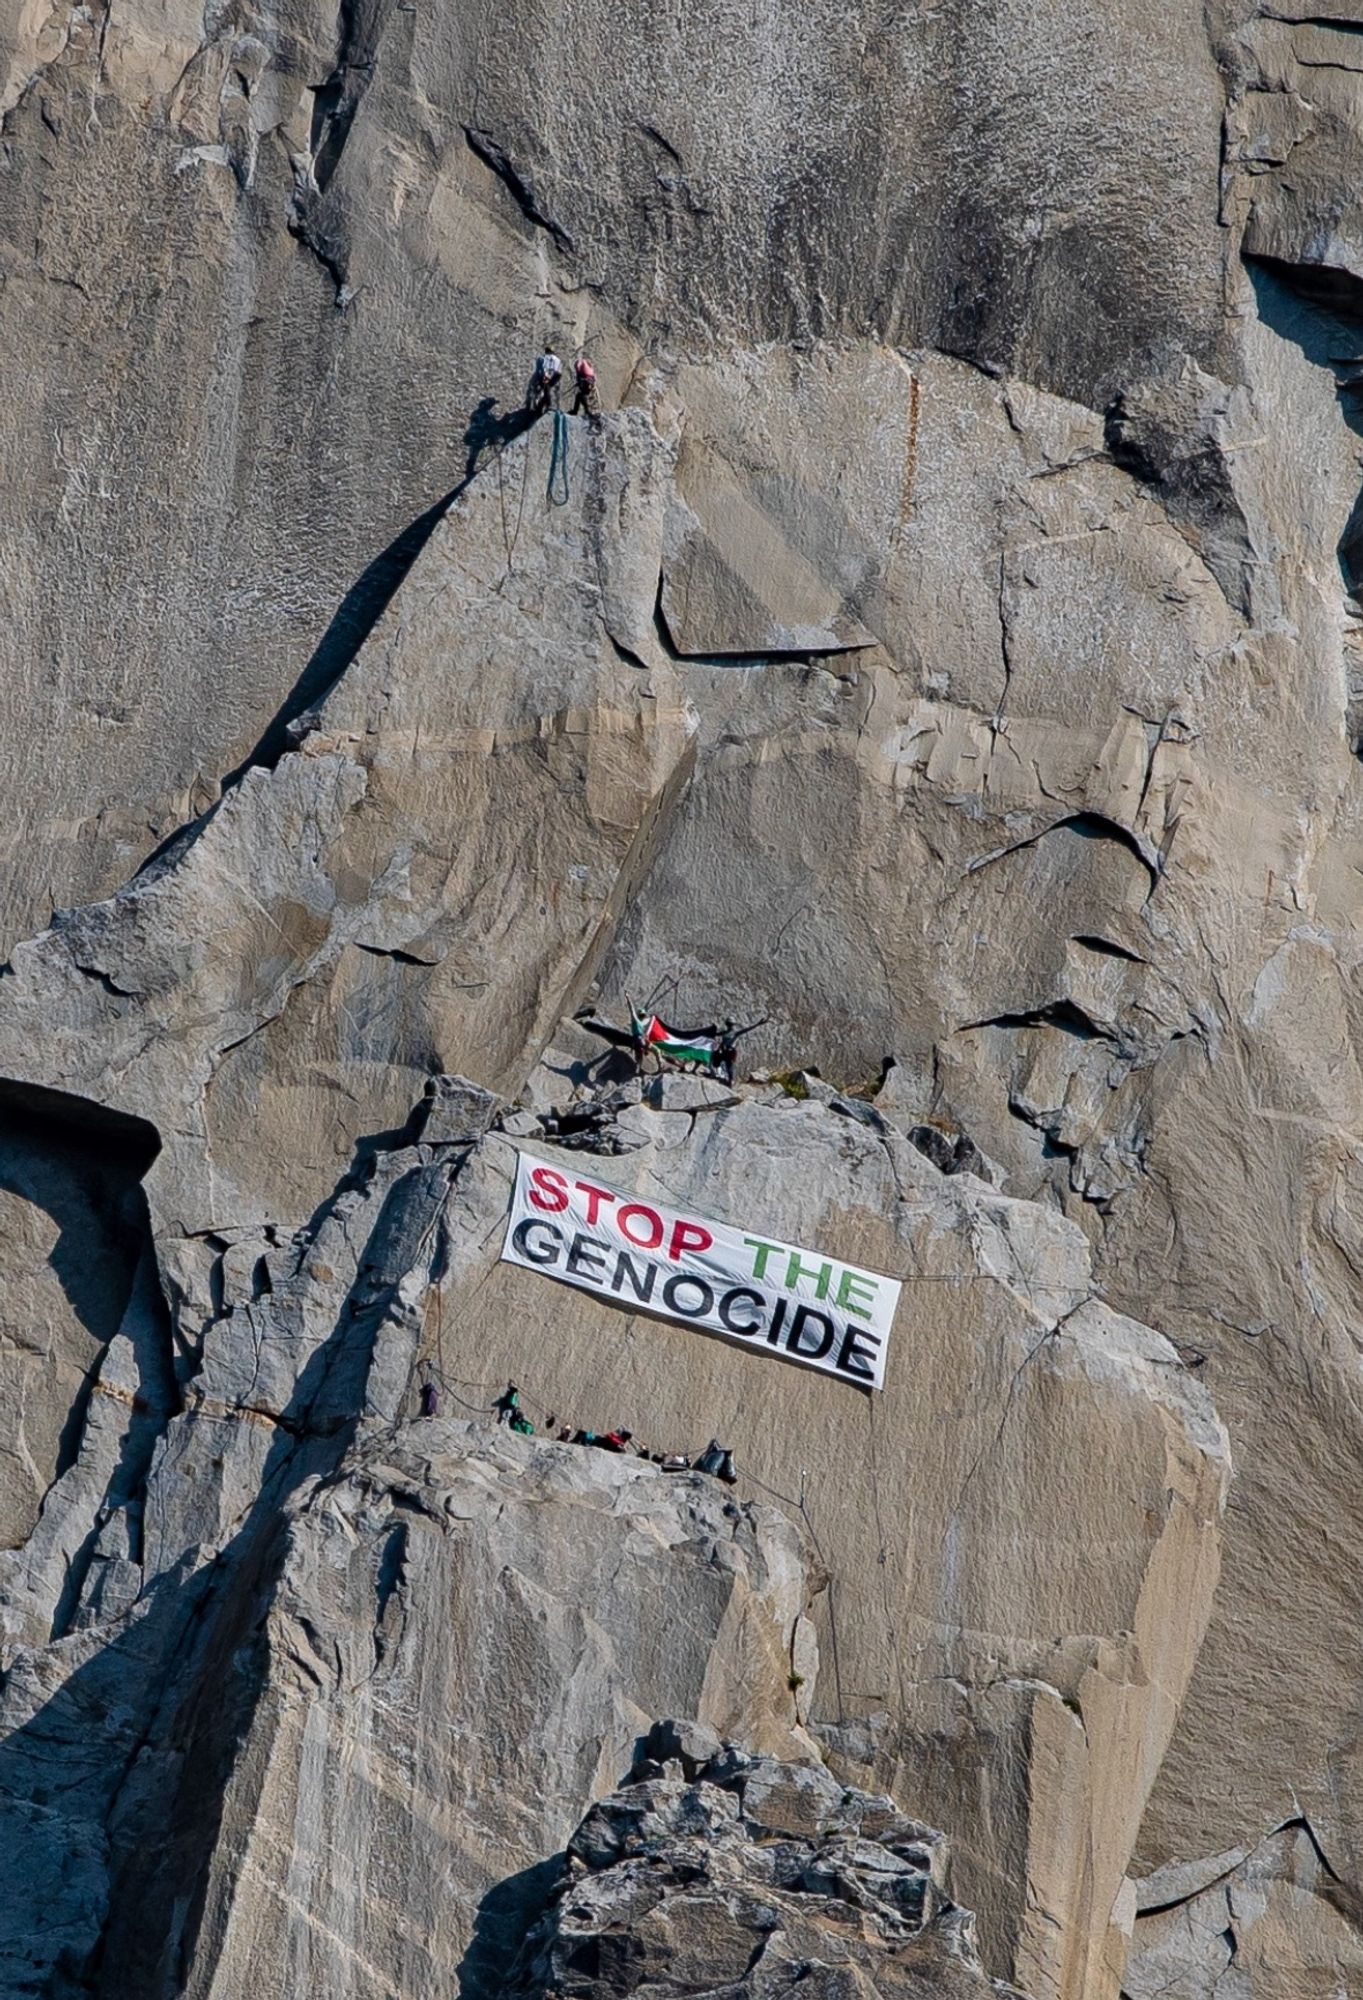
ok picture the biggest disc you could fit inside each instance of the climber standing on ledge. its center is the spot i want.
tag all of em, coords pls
(544, 383)
(584, 395)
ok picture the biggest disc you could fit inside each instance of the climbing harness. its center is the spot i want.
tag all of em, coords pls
(558, 463)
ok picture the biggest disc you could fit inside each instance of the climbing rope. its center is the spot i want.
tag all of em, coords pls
(558, 463)
(510, 537)
(882, 1558)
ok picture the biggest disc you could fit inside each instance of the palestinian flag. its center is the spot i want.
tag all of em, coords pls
(679, 1045)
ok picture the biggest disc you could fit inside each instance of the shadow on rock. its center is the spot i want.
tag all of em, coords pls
(374, 589)
(504, 1916)
(113, 1786)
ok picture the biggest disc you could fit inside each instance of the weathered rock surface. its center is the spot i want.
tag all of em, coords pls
(746, 1875)
(362, 915)
(1022, 1531)
(1266, 1925)
(947, 647)
(310, 257)
(468, 1635)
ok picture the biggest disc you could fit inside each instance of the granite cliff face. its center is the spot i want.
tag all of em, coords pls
(713, 1870)
(946, 646)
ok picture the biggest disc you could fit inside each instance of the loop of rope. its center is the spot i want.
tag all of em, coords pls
(558, 462)
(511, 537)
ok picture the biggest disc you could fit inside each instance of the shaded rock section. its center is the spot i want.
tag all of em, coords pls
(748, 1876)
(73, 1222)
(132, 1616)
(467, 1637)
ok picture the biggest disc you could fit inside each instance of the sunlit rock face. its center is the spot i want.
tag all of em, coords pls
(940, 646)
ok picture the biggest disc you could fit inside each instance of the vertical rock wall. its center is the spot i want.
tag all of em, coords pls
(946, 648)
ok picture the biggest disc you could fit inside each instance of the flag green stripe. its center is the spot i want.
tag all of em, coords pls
(685, 1051)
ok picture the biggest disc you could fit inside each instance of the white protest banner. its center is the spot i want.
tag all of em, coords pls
(772, 1297)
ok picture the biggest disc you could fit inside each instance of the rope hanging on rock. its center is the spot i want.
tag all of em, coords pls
(558, 463)
(510, 537)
